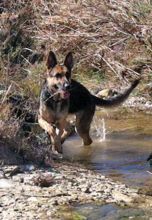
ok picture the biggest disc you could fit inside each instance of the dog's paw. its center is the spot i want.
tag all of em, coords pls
(56, 155)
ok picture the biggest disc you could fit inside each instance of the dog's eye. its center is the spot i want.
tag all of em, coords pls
(58, 75)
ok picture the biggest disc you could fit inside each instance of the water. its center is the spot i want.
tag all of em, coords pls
(109, 212)
(122, 143)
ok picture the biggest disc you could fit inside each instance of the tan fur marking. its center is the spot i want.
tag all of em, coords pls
(46, 126)
(58, 69)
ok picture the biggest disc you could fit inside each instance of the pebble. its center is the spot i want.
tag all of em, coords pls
(72, 184)
(5, 183)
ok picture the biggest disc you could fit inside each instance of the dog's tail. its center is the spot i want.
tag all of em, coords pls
(116, 100)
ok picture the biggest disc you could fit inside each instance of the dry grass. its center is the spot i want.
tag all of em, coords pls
(112, 38)
(109, 39)
(108, 36)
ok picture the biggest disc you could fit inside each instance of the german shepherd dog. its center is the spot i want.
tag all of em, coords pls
(62, 95)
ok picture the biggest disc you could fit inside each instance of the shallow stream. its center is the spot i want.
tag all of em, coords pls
(122, 144)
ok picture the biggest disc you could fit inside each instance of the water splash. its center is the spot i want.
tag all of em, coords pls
(100, 129)
(103, 130)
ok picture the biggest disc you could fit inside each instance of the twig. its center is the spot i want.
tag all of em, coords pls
(109, 65)
(149, 172)
(7, 92)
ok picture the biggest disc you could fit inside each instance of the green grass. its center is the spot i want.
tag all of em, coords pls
(68, 214)
(144, 8)
(91, 77)
(31, 85)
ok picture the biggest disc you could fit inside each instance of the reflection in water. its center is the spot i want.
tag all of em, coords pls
(122, 155)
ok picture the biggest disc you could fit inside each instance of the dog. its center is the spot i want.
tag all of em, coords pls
(61, 95)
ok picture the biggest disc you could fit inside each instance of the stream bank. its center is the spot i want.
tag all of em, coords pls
(29, 192)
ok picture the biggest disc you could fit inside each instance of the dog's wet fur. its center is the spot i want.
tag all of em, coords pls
(61, 95)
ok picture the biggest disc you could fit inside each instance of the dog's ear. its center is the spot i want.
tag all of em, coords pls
(69, 61)
(51, 60)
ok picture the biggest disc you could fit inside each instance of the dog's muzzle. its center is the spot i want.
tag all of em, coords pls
(63, 89)
(65, 94)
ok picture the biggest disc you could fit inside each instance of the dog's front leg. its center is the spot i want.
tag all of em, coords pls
(49, 128)
(61, 127)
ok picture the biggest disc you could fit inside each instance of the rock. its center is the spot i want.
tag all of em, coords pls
(44, 180)
(119, 197)
(104, 93)
(5, 183)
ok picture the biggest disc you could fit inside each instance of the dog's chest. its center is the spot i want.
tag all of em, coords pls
(57, 110)
(60, 109)
(53, 110)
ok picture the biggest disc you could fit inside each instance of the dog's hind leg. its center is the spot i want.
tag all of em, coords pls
(83, 122)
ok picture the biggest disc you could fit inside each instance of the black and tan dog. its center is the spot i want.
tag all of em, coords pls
(62, 95)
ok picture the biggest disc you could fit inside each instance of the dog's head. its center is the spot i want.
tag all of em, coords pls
(59, 76)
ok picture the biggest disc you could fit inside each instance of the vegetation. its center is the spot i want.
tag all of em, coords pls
(111, 42)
